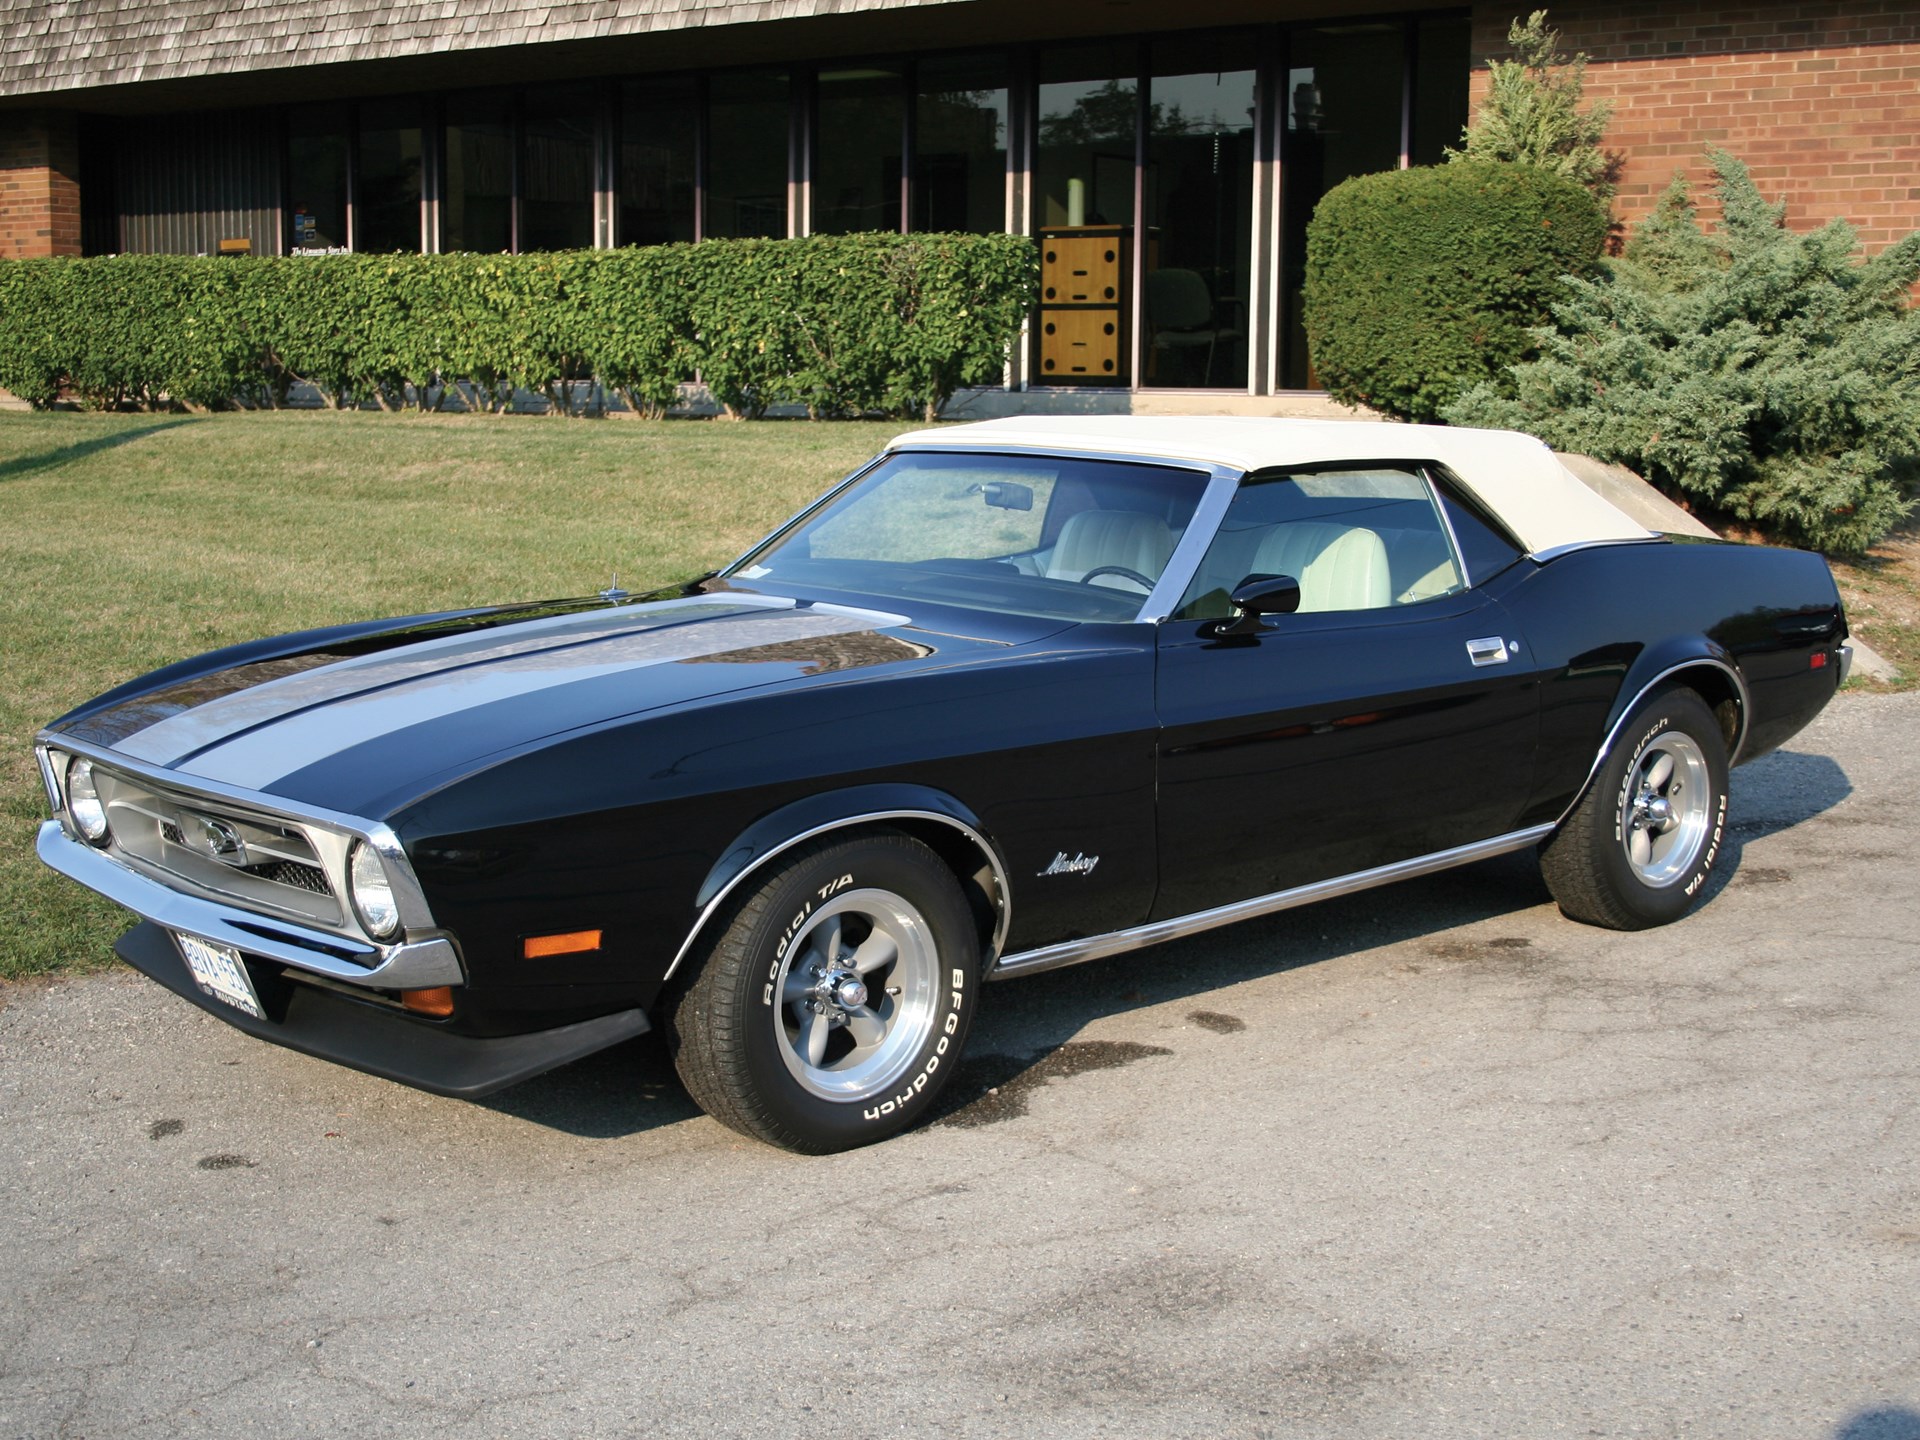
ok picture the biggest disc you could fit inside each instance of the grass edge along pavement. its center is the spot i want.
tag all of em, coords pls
(131, 541)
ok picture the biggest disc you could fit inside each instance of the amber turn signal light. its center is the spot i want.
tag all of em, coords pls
(437, 1001)
(571, 943)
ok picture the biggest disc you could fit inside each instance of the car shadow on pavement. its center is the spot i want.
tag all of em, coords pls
(1023, 1033)
(1894, 1422)
(1774, 793)
(620, 1091)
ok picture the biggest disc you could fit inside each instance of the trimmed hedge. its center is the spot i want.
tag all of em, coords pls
(844, 325)
(1423, 283)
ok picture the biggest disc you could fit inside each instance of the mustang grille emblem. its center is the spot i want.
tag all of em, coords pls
(215, 838)
(1078, 865)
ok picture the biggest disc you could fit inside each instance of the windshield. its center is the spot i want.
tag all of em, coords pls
(1066, 539)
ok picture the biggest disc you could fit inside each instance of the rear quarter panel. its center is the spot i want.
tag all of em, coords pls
(1603, 623)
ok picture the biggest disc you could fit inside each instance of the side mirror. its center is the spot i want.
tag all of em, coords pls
(1259, 595)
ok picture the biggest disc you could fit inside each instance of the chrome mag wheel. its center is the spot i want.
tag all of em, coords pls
(1636, 848)
(1666, 811)
(857, 992)
(832, 1001)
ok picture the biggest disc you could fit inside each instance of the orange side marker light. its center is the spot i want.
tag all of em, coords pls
(437, 1001)
(572, 943)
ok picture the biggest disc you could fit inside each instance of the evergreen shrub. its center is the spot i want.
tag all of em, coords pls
(1759, 373)
(1423, 283)
(844, 325)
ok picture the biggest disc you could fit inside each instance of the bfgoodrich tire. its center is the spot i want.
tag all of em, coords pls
(834, 998)
(1638, 847)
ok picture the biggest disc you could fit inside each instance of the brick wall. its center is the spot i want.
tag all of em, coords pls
(39, 185)
(1821, 100)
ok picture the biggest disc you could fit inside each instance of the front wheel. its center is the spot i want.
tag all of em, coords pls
(1638, 847)
(834, 998)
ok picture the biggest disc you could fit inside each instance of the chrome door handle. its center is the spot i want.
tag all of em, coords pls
(1489, 651)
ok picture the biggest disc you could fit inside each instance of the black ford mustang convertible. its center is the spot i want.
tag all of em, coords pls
(1015, 695)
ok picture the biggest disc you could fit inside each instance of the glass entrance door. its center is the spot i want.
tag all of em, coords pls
(1199, 207)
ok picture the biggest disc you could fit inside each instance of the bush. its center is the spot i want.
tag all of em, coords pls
(30, 355)
(1532, 115)
(844, 325)
(1423, 283)
(1763, 374)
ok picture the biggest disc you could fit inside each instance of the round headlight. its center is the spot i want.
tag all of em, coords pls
(83, 802)
(372, 892)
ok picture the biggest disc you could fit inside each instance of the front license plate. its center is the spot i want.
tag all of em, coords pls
(219, 971)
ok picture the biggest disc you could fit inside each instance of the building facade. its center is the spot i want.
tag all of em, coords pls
(1166, 157)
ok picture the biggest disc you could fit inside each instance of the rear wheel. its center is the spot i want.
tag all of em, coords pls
(1637, 849)
(834, 998)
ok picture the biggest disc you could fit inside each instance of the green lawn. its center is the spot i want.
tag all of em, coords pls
(129, 541)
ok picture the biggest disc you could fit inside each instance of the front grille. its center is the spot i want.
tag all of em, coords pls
(310, 878)
(216, 848)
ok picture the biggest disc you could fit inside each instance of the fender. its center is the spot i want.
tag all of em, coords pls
(817, 815)
(1656, 665)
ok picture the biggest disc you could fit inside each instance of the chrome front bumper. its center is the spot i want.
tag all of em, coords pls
(413, 965)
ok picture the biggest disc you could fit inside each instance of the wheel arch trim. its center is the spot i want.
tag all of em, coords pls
(1742, 704)
(792, 825)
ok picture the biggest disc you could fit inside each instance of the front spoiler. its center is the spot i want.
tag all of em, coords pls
(383, 1042)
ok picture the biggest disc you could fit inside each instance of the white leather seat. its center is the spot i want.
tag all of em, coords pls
(1094, 538)
(1339, 567)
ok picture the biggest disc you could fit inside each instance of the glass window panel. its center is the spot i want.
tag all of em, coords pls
(1025, 536)
(386, 208)
(1353, 539)
(1199, 203)
(659, 139)
(318, 138)
(478, 213)
(1442, 68)
(960, 145)
(1089, 102)
(856, 173)
(556, 180)
(747, 170)
(1344, 94)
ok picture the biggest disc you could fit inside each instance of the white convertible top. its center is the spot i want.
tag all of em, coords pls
(1514, 475)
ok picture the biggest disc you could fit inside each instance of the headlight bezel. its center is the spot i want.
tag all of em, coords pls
(379, 911)
(89, 812)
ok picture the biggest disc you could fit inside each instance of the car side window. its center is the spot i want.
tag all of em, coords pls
(1485, 549)
(1355, 539)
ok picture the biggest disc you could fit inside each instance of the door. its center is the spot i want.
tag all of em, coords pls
(1387, 719)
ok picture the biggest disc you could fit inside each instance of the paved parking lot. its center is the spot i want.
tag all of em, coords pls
(1428, 1162)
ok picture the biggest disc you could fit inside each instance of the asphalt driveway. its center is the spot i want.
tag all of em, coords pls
(1427, 1162)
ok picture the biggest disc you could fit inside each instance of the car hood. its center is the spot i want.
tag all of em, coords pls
(340, 729)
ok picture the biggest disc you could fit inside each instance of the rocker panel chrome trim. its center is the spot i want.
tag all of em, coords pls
(1097, 947)
(1003, 899)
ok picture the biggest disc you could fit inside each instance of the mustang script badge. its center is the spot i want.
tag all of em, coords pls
(1078, 865)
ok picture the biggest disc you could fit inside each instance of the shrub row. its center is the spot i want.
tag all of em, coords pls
(843, 325)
